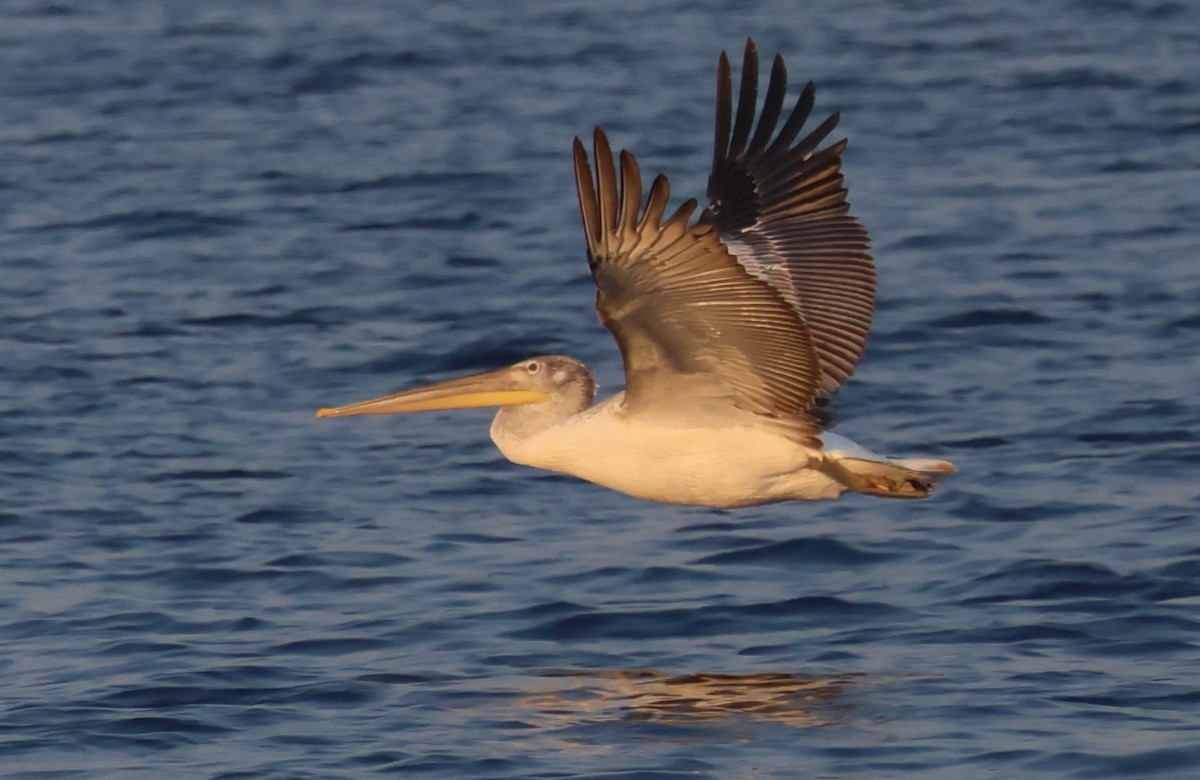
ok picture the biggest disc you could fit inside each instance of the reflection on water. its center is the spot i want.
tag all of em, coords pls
(575, 696)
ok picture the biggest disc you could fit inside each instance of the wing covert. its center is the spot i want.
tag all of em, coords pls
(693, 325)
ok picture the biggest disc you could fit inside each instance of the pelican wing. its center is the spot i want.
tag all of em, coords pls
(695, 328)
(780, 208)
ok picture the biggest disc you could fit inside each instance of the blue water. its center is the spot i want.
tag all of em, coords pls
(216, 217)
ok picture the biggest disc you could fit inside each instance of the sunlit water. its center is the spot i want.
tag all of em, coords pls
(217, 217)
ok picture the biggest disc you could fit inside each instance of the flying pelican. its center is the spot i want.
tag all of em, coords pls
(734, 328)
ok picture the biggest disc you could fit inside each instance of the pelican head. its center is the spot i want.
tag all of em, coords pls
(548, 387)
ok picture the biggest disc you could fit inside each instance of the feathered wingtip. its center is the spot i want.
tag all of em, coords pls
(614, 217)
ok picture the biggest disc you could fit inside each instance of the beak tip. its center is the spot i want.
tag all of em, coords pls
(324, 412)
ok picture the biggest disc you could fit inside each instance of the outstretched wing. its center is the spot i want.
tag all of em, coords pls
(780, 208)
(696, 330)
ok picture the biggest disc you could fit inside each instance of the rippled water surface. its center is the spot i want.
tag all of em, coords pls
(219, 216)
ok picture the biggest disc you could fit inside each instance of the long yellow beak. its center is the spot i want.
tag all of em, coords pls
(493, 388)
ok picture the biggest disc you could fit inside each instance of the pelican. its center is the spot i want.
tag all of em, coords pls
(734, 327)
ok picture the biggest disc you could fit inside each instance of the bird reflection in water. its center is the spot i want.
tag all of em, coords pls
(788, 699)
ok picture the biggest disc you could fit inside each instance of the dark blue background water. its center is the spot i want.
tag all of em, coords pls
(219, 216)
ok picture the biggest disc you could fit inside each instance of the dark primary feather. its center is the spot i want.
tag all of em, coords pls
(780, 208)
(693, 325)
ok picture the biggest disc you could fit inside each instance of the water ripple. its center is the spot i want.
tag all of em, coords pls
(221, 216)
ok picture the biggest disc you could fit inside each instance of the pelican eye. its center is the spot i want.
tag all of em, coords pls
(533, 367)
